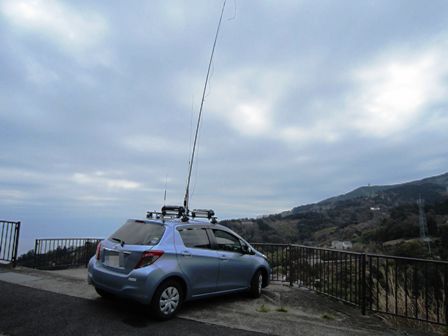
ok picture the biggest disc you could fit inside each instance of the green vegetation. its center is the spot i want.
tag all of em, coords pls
(59, 257)
(263, 309)
(282, 309)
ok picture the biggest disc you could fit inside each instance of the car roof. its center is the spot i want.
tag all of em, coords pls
(175, 222)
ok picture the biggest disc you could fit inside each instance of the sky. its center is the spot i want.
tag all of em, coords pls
(306, 100)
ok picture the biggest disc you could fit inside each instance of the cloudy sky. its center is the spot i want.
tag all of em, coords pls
(307, 100)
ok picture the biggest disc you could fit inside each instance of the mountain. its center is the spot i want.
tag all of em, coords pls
(374, 218)
(431, 189)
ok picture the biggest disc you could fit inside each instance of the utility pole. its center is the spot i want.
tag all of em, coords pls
(423, 224)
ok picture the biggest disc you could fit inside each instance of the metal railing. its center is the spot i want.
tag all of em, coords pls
(407, 287)
(9, 241)
(63, 252)
(411, 288)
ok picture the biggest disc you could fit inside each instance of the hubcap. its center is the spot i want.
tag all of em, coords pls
(169, 300)
(260, 283)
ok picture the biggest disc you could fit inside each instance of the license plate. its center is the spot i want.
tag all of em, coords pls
(112, 260)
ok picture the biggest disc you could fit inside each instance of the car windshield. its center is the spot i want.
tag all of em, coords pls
(138, 233)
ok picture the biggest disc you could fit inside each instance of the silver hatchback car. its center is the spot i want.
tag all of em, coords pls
(165, 262)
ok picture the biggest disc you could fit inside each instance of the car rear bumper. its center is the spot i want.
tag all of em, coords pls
(137, 285)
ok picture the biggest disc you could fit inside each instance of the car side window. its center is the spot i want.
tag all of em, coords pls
(195, 238)
(227, 242)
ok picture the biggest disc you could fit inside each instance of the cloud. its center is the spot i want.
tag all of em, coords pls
(244, 99)
(315, 133)
(74, 30)
(390, 92)
(396, 89)
(38, 74)
(100, 180)
(12, 196)
(151, 144)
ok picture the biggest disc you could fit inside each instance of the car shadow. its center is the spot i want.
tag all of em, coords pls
(138, 315)
(216, 301)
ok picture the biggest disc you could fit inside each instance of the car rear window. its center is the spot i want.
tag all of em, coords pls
(138, 233)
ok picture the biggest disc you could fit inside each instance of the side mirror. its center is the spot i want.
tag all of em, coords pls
(247, 250)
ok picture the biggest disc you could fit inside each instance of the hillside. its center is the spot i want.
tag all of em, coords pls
(373, 218)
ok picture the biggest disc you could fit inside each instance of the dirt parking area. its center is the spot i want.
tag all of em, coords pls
(282, 310)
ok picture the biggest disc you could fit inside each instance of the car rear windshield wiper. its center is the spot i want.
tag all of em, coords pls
(118, 240)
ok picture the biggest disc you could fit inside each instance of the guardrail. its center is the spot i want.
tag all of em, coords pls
(411, 288)
(9, 241)
(63, 252)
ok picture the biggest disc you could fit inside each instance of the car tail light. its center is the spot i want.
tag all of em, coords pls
(98, 251)
(148, 258)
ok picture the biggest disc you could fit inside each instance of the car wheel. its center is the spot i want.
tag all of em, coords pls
(256, 284)
(167, 300)
(103, 293)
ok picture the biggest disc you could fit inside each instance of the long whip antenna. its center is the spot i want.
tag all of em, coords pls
(187, 191)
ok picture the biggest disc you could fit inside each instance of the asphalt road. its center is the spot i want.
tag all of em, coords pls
(29, 311)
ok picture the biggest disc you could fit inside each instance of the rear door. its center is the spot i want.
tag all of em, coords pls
(197, 260)
(122, 251)
(235, 267)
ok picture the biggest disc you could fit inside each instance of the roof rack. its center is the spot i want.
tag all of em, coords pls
(153, 214)
(173, 210)
(176, 211)
(202, 213)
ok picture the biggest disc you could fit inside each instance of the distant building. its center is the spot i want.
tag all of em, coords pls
(341, 245)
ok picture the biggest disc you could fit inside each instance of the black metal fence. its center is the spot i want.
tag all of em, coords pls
(63, 252)
(9, 241)
(405, 287)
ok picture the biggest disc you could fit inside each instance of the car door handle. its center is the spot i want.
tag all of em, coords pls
(186, 254)
(223, 257)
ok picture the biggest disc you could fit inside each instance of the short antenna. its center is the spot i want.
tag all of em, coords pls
(164, 196)
(187, 190)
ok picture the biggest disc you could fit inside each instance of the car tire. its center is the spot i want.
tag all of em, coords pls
(167, 300)
(256, 284)
(103, 294)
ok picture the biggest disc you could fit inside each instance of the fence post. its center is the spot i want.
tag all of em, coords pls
(363, 284)
(87, 247)
(36, 242)
(446, 293)
(16, 244)
(291, 264)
